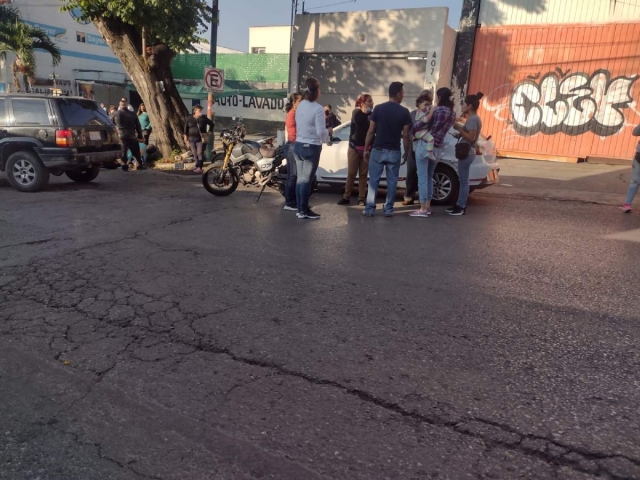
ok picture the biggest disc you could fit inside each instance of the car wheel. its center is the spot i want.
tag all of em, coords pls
(85, 175)
(26, 173)
(445, 185)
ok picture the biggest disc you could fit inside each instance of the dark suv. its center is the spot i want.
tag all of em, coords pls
(43, 135)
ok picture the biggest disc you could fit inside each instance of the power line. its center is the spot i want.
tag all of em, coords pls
(331, 5)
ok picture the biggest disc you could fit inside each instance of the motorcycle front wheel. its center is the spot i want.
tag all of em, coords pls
(218, 181)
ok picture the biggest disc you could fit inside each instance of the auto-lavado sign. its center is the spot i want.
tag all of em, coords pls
(245, 101)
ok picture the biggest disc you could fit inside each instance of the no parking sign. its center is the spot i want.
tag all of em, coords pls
(214, 80)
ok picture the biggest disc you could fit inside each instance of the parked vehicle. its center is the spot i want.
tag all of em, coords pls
(48, 135)
(484, 170)
(247, 161)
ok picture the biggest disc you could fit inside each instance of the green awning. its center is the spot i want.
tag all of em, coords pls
(198, 92)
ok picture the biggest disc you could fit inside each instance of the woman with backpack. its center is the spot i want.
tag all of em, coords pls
(311, 133)
(466, 149)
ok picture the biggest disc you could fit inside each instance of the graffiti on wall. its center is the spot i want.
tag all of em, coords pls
(572, 103)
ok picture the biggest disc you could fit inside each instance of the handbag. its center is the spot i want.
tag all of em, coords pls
(464, 149)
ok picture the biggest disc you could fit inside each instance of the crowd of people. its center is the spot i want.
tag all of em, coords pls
(376, 136)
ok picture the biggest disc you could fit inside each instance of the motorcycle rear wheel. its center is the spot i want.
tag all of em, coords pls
(219, 182)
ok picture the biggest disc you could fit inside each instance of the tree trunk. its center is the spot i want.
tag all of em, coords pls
(14, 72)
(153, 80)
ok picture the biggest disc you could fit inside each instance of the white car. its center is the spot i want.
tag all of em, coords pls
(484, 170)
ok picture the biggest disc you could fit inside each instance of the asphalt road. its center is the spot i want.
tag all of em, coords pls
(150, 330)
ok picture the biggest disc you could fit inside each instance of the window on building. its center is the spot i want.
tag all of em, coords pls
(28, 111)
(259, 50)
(3, 114)
(81, 37)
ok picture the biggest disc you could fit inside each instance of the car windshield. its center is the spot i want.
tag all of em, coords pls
(77, 112)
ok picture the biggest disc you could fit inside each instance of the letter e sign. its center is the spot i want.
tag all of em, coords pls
(214, 79)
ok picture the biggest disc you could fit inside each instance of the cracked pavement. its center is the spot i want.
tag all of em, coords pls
(150, 330)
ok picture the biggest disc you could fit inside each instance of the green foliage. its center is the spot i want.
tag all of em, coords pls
(23, 40)
(176, 23)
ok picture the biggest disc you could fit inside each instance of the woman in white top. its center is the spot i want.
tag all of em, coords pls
(311, 133)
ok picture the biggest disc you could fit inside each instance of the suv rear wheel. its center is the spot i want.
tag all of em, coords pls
(85, 175)
(26, 173)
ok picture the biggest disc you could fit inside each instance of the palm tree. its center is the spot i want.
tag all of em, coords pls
(23, 40)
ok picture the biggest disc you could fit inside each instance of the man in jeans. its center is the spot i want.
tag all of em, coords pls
(390, 122)
(130, 134)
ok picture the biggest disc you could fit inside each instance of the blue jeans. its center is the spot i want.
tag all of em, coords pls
(292, 176)
(383, 160)
(464, 166)
(307, 159)
(635, 182)
(426, 168)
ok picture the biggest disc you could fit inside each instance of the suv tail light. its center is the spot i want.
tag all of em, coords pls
(64, 138)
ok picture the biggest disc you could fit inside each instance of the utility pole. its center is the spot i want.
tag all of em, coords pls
(213, 44)
(464, 48)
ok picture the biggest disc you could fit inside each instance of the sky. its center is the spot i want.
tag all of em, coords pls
(236, 16)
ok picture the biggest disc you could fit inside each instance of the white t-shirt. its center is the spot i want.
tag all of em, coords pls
(310, 124)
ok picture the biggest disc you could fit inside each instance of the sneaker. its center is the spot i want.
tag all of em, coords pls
(140, 167)
(310, 214)
(626, 208)
(366, 214)
(388, 214)
(290, 209)
(458, 211)
(197, 170)
(406, 203)
(125, 167)
(419, 213)
(361, 203)
(451, 209)
(344, 201)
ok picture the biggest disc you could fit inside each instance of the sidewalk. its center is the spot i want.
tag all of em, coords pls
(583, 182)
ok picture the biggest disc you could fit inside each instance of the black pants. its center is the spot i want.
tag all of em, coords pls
(412, 175)
(146, 134)
(133, 145)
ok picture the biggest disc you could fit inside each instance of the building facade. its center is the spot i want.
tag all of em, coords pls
(274, 39)
(88, 67)
(352, 53)
(560, 80)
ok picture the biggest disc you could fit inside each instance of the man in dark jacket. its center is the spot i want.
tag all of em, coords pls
(195, 135)
(130, 134)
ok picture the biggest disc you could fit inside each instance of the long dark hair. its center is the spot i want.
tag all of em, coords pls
(293, 99)
(312, 89)
(474, 100)
(444, 98)
(140, 107)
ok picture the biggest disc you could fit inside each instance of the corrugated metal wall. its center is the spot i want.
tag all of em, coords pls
(535, 12)
(560, 90)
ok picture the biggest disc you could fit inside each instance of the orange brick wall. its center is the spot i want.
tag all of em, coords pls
(559, 90)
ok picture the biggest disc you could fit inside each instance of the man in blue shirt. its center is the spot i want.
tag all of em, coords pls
(390, 122)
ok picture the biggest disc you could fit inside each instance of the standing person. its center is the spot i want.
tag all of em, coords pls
(103, 106)
(331, 121)
(357, 165)
(412, 171)
(311, 133)
(130, 134)
(390, 122)
(145, 123)
(634, 185)
(195, 135)
(111, 110)
(426, 161)
(469, 133)
(290, 202)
